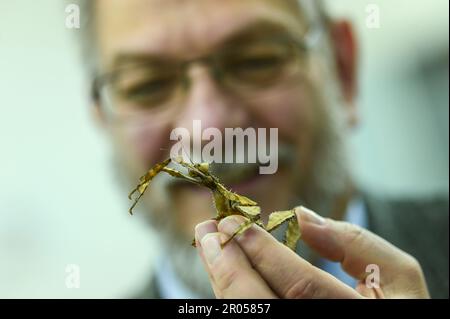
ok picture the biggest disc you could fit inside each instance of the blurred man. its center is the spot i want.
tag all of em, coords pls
(161, 64)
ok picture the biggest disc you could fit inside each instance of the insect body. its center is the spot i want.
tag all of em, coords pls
(226, 202)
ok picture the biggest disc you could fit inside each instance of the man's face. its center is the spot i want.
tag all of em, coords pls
(179, 30)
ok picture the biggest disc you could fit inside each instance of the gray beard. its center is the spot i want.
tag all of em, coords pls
(187, 264)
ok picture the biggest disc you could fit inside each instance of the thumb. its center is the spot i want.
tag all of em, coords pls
(354, 247)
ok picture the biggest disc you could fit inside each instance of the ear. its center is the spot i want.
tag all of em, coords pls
(346, 56)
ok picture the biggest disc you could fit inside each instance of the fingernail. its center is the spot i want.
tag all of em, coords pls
(230, 224)
(309, 216)
(211, 247)
(204, 228)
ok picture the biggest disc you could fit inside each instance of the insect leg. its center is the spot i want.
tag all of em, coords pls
(292, 234)
(144, 181)
(178, 174)
(278, 218)
(241, 229)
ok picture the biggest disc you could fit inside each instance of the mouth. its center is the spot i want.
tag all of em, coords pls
(232, 176)
(235, 174)
(238, 177)
(243, 179)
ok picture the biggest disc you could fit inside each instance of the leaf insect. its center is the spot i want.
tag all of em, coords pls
(226, 202)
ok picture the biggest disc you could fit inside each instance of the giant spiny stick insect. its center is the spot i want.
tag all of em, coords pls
(226, 202)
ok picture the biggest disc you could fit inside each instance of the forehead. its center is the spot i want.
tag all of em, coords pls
(185, 27)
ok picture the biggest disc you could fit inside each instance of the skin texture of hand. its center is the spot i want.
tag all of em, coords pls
(256, 265)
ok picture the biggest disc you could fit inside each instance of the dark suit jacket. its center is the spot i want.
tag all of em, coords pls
(419, 227)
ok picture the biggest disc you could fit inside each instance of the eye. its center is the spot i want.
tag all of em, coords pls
(148, 92)
(257, 58)
(148, 87)
(256, 65)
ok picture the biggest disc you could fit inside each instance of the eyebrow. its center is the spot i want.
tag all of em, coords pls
(256, 29)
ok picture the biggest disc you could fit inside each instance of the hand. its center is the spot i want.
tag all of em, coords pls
(256, 265)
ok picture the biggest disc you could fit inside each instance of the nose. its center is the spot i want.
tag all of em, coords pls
(207, 101)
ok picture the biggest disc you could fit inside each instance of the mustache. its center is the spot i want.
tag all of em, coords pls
(286, 155)
(229, 173)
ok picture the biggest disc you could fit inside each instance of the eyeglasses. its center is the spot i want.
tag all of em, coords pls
(158, 86)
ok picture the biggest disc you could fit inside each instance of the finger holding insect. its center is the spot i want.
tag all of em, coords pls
(209, 226)
(231, 274)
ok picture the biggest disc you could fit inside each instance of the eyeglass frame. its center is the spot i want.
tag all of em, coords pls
(305, 44)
